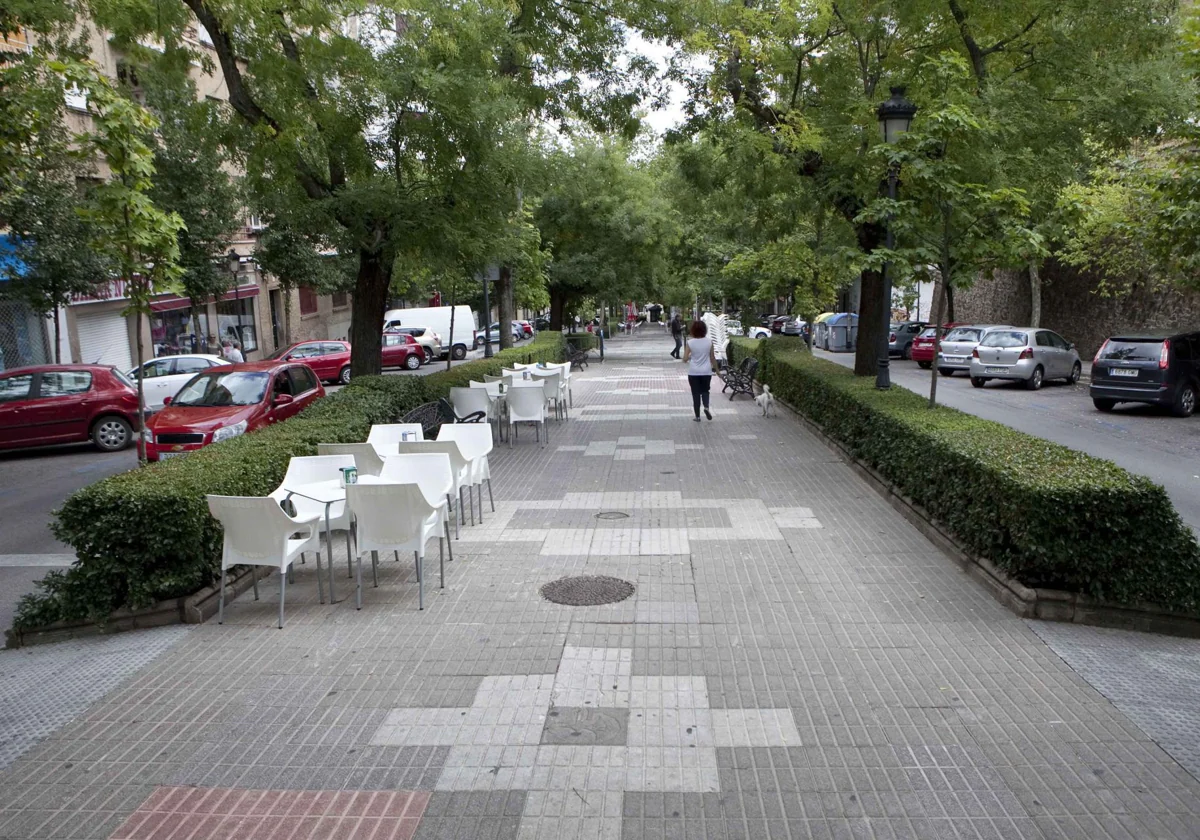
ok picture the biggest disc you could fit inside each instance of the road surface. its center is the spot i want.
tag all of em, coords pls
(1142, 439)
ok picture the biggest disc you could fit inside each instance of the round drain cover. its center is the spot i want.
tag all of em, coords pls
(587, 590)
(612, 514)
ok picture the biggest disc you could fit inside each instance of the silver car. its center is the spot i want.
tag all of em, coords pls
(1027, 354)
(959, 343)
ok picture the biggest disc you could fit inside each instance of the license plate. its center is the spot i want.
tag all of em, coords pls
(955, 358)
(162, 456)
(1122, 372)
(995, 370)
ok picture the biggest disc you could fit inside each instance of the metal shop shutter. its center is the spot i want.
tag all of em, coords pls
(103, 339)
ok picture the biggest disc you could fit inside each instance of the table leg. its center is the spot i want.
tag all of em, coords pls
(329, 555)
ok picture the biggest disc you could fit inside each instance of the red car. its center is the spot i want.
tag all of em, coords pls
(402, 350)
(230, 400)
(527, 328)
(923, 346)
(330, 360)
(67, 404)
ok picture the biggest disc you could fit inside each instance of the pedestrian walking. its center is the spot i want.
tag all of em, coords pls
(235, 353)
(701, 360)
(677, 334)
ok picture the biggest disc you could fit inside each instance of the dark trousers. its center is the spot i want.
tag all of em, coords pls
(699, 385)
(678, 344)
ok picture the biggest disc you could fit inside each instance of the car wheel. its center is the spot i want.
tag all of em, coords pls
(906, 354)
(460, 351)
(111, 434)
(924, 365)
(946, 371)
(1076, 371)
(978, 381)
(1034, 382)
(412, 362)
(344, 375)
(1185, 400)
(1104, 405)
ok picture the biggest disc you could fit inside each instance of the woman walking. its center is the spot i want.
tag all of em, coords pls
(701, 359)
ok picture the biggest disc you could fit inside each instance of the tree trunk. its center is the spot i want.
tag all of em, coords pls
(949, 303)
(558, 303)
(504, 312)
(370, 302)
(57, 337)
(940, 293)
(871, 323)
(1035, 295)
(286, 293)
(141, 383)
(199, 339)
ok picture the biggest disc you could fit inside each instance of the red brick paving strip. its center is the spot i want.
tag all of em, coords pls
(195, 813)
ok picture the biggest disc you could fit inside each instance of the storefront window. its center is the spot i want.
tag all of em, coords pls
(174, 332)
(235, 320)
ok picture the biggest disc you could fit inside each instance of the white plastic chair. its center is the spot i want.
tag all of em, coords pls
(259, 533)
(311, 469)
(476, 446)
(433, 472)
(555, 386)
(393, 516)
(565, 368)
(366, 457)
(468, 401)
(460, 468)
(386, 436)
(527, 405)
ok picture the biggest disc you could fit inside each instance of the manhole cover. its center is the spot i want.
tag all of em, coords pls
(587, 590)
(612, 514)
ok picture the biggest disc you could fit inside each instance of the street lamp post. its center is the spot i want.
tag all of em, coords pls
(895, 116)
(487, 319)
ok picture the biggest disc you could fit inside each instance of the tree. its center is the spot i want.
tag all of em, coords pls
(136, 238)
(808, 76)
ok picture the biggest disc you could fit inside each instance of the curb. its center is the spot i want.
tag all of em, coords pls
(1024, 601)
(190, 609)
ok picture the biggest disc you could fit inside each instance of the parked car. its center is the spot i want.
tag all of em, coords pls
(494, 333)
(67, 404)
(528, 328)
(399, 350)
(1027, 354)
(901, 335)
(540, 324)
(794, 326)
(224, 402)
(777, 323)
(733, 326)
(330, 360)
(1157, 368)
(955, 352)
(428, 339)
(766, 318)
(438, 319)
(165, 376)
(925, 344)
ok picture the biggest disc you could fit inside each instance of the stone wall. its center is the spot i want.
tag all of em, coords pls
(1072, 306)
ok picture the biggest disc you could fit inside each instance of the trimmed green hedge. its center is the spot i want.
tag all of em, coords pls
(146, 535)
(584, 340)
(1050, 516)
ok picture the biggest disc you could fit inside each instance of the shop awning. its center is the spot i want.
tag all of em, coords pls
(171, 302)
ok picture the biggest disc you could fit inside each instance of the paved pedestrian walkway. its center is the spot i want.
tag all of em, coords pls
(796, 661)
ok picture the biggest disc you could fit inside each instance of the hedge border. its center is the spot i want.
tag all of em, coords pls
(1139, 559)
(145, 536)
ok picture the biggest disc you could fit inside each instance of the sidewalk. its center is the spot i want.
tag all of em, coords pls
(796, 661)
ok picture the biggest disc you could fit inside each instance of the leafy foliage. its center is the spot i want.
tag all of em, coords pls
(1050, 516)
(147, 535)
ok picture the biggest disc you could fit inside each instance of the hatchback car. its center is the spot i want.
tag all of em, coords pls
(924, 346)
(900, 337)
(224, 402)
(330, 360)
(1156, 368)
(957, 345)
(1026, 354)
(164, 377)
(67, 404)
(400, 350)
(527, 327)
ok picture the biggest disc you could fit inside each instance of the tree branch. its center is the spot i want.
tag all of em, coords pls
(337, 172)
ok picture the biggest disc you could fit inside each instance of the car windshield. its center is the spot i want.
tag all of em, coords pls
(1132, 351)
(1005, 338)
(278, 354)
(221, 389)
(965, 334)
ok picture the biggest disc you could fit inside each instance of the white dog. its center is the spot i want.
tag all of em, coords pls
(766, 401)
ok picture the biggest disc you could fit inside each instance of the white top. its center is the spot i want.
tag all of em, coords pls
(699, 364)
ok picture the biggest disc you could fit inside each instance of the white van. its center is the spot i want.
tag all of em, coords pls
(437, 318)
